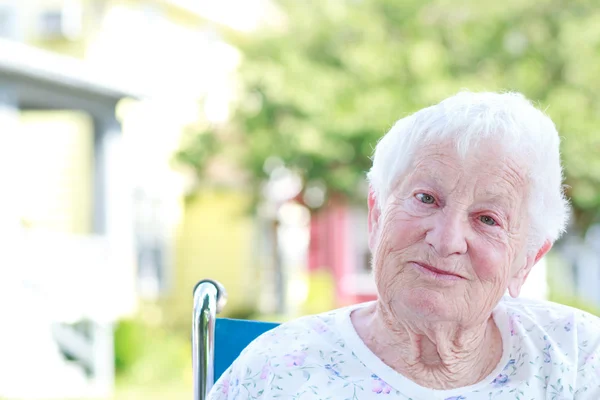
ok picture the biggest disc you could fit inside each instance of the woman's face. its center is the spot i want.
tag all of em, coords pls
(451, 237)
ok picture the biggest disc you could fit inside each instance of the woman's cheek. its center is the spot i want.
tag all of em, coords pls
(408, 218)
(489, 263)
(406, 233)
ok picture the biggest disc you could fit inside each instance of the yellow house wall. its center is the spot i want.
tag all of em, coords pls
(56, 170)
(215, 241)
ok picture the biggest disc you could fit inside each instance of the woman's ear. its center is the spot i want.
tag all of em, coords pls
(543, 251)
(374, 214)
(516, 282)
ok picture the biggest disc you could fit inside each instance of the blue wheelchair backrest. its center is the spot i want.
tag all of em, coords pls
(232, 336)
(217, 342)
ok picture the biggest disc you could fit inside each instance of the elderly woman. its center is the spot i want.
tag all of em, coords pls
(466, 197)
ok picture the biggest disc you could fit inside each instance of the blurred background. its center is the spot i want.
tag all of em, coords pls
(147, 144)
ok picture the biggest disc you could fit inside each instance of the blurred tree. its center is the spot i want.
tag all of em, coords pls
(320, 87)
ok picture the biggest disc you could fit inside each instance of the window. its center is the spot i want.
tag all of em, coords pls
(151, 244)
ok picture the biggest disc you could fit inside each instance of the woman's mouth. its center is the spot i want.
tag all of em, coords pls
(433, 272)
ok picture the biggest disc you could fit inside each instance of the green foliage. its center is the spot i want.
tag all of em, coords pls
(147, 353)
(322, 292)
(128, 337)
(574, 301)
(247, 312)
(560, 288)
(197, 151)
(319, 89)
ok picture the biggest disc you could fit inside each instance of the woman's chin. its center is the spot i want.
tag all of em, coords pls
(426, 303)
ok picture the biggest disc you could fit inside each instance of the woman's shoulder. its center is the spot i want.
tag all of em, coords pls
(281, 360)
(547, 312)
(557, 340)
(556, 329)
(297, 338)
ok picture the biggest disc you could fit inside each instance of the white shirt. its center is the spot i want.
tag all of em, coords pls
(550, 351)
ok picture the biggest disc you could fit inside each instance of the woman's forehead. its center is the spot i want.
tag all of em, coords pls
(489, 172)
(485, 155)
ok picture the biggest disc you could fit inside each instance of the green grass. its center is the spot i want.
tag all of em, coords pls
(154, 391)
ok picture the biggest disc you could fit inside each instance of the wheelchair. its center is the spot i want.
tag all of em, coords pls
(217, 342)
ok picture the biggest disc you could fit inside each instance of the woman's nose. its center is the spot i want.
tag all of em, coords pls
(448, 234)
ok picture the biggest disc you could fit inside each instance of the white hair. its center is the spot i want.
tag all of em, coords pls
(466, 118)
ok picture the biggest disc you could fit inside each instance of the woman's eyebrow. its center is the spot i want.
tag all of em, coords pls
(504, 201)
(426, 179)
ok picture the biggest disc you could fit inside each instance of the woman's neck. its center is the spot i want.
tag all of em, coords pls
(440, 356)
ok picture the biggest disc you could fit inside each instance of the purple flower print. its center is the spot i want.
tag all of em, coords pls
(456, 398)
(546, 351)
(568, 326)
(513, 320)
(266, 369)
(333, 369)
(225, 387)
(509, 363)
(295, 359)
(500, 380)
(320, 328)
(380, 386)
(590, 358)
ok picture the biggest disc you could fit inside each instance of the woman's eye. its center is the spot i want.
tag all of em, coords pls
(487, 220)
(425, 198)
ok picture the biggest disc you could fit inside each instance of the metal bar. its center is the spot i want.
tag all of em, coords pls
(209, 298)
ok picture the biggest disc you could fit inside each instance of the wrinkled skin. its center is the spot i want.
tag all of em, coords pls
(467, 217)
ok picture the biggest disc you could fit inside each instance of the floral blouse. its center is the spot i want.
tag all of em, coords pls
(550, 351)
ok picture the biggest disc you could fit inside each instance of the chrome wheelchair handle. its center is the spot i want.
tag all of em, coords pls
(209, 299)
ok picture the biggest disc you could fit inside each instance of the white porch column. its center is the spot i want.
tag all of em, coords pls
(113, 219)
(10, 151)
(113, 209)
